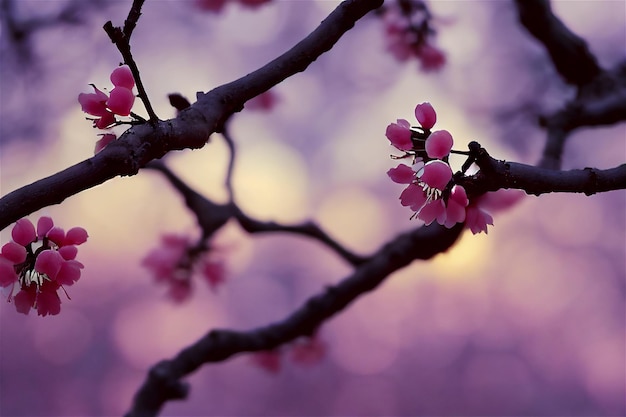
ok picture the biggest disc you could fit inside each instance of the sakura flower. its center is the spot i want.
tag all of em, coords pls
(479, 211)
(399, 134)
(309, 351)
(103, 142)
(409, 34)
(36, 273)
(430, 57)
(425, 115)
(176, 261)
(268, 360)
(439, 144)
(118, 102)
(263, 102)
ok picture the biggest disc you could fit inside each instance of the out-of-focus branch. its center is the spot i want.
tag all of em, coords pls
(190, 129)
(601, 94)
(569, 52)
(164, 379)
(494, 175)
(308, 229)
(212, 216)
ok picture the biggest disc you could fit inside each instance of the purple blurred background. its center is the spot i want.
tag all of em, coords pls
(529, 320)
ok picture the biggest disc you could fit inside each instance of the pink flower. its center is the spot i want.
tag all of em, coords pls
(94, 103)
(268, 360)
(23, 232)
(309, 351)
(103, 142)
(119, 102)
(214, 6)
(177, 260)
(253, 3)
(123, 77)
(402, 174)
(477, 220)
(431, 58)
(40, 272)
(425, 115)
(479, 211)
(263, 102)
(439, 144)
(436, 174)
(455, 207)
(399, 134)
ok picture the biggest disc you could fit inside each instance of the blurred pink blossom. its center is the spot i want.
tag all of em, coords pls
(177, 260)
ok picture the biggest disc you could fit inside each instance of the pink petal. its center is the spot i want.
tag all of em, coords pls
(57, 235)
(436, 174)
(413, 196)
(49, 263)
(402, 174)
(24, 232)
(14, 252)
(477, 220)
(213, 272)
(8, 275)
(431, 58)
(105, 121)
(25, 299)
(309, 352)
(459, 195)
(425, 114)
(68, 252)
(500, 200)
(69, 272)
(103, 142)
(210, 5)
(121, 101)
(399, 135)
(76, 236)
(93, 103)
(44, 224)
(48, 301)
(264, 102)
(268, 360)
(433, 210)
(123, 77)
(439, 144)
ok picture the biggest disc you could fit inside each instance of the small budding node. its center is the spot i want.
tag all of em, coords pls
(431, 191)
(36, 263)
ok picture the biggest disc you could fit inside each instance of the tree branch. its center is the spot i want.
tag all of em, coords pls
(495, 175)
(163, 381)
(190, 129)
(569, 52)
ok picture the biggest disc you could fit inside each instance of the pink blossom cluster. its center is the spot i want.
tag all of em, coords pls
(105, 107)
(216, 6)
(175, 262)
(406, 39)
(40, 272)
(431, 193)
(306, 352)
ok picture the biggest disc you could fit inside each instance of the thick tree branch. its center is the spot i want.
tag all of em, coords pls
(190, 129)
(495, 175)
(164, 380)
(569, 53)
